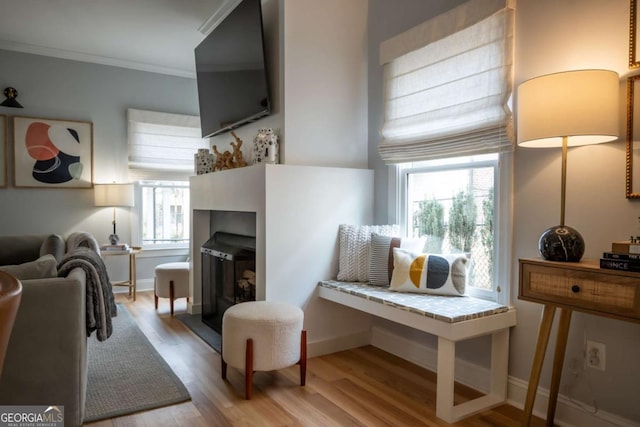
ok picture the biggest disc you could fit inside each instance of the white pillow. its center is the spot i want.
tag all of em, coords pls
(438, 274)
(355, 242)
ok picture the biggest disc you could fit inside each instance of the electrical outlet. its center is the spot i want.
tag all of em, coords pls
(595, 355)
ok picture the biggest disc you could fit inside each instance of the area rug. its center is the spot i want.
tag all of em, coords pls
(126, 374)
(206, 334)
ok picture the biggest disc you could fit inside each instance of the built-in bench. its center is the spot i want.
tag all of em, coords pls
(451, 319)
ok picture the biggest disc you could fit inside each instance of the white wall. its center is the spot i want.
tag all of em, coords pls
(325, 89)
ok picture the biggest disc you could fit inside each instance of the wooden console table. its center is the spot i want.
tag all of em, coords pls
(131, 282)
(569, 286)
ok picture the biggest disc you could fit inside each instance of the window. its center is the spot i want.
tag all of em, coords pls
(161, 159)
(448, 130)
(162, 219)
(455, 203)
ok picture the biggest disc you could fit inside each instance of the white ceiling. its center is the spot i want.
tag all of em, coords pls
(148, 35)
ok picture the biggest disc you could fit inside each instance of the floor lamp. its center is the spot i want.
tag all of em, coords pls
(113, 195)
(564, 110)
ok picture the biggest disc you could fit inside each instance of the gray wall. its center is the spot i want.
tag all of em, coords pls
(63, 89)
(551, 36)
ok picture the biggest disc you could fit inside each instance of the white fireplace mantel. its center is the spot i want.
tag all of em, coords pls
(298, 210)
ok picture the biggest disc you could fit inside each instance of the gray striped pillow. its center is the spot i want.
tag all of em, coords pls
(381, 260)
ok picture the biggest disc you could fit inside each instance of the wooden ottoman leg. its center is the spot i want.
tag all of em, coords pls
(303, 358)
(248, 369)
(171, 295)
(223, 368)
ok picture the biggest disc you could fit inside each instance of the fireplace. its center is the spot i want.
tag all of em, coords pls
(228, 275)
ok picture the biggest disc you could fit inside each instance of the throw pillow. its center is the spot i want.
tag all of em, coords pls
(42, 268)
(438, 274)
(354, 242)
(54, 245)
(381, 262)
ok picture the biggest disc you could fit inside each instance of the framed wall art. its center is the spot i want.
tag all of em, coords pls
(634, 55)
(633, 134)
(3, 151)
(51, 153)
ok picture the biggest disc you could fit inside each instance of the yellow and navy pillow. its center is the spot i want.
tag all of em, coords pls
(438, 274)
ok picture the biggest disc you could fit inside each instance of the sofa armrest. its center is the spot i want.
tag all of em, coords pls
(46, 361)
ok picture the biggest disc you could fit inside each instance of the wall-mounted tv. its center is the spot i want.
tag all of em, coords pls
(233, 87)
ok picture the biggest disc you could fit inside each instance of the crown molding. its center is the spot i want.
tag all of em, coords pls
(96, 59)
(216, 18)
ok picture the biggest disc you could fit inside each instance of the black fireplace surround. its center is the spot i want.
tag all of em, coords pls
(228, 275)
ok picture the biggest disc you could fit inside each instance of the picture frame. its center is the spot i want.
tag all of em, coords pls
(3, 151)
(634, 47)
(52, 153)
(633, 134)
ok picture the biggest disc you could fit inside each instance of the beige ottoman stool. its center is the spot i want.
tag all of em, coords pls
(263, 336)
(171, 281)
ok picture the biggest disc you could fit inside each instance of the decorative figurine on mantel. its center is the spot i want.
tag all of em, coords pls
(227, 159)
(265, 147)
(204, 161)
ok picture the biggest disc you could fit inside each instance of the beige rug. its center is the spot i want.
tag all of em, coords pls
(127, 374)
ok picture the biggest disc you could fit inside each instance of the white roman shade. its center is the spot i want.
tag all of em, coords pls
(162, 145)
(448, 84)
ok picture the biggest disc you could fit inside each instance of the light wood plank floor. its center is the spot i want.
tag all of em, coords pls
(360, 387)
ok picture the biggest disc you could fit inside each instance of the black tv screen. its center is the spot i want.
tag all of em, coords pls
(231, 74)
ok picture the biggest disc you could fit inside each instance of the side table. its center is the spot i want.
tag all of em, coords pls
(131, 282)
(581, 286)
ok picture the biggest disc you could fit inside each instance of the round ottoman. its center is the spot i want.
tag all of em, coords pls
(171, 281)
(263, 336)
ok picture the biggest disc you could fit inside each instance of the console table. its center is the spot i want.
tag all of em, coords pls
(131, 282)
(569, 286)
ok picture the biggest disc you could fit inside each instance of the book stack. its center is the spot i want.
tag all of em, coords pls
(623, 256)
(121, 247)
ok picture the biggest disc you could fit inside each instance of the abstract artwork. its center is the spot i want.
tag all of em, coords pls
(3, 151)
(52, 153)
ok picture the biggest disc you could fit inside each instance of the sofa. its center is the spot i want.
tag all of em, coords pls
(46, 360)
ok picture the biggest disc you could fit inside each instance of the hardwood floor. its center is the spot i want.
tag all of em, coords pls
(360, 387)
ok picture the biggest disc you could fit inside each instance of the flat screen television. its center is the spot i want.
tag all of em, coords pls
(233, 87)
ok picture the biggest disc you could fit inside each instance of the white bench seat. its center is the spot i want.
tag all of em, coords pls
(452, 319)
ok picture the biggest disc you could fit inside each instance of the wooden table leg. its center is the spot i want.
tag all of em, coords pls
(558, 360)
(133, 274)
(541, 347)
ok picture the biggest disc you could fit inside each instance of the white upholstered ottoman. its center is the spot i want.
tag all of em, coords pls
(171, 281)
(263, 336)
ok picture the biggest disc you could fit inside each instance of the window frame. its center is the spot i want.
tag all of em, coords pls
(398, 200)
(136, 219)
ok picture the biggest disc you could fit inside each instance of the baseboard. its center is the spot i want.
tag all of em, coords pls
(334, 345)
(568, 413)
(141, 285)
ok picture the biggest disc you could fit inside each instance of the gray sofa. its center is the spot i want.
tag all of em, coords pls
(46, 361)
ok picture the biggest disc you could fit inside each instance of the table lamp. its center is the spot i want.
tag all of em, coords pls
(113, 195)
(567, 109)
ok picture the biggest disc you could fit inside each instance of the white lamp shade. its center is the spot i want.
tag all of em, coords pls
(113, 195)
(581, 105)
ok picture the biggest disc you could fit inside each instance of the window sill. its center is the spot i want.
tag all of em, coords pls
(151, 252)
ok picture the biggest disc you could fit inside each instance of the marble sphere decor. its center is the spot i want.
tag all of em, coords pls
(561, 243)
